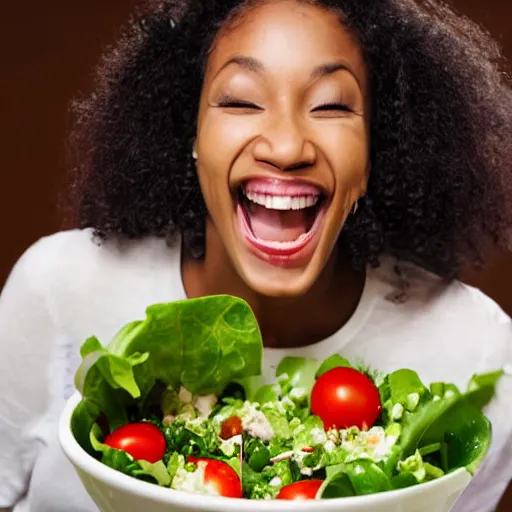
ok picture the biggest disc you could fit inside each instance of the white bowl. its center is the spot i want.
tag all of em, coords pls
(113, 491)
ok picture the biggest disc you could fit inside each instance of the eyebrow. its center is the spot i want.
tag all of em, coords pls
(247, 63)
(255, 66)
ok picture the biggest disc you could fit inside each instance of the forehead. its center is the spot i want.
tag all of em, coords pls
(286, 35)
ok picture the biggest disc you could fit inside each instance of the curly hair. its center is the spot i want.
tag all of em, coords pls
(440, 187)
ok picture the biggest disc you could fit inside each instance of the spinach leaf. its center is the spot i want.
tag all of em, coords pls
(338, 486)
(466, 434)
(406, 388)
(453, 421)
(355, 478)
(401, 391)
(334, 361)
(481, 388)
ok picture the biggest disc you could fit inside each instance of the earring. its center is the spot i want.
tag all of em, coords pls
(194, 154)
(354, 209)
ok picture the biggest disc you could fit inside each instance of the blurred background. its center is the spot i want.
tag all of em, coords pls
(48, 51)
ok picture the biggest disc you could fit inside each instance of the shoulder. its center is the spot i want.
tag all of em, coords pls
(74, 262)
(463, 317)
(413, 289)
(95, 286)
(65, 253)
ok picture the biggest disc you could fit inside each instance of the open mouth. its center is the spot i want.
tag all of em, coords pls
(279, 217)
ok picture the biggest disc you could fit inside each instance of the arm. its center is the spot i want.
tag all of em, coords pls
(26, 334)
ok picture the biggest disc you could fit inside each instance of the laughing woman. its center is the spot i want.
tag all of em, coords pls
(336, 163)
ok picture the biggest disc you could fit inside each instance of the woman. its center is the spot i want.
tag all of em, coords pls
(334, 163)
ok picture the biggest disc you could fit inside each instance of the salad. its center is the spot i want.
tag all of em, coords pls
(177, 400)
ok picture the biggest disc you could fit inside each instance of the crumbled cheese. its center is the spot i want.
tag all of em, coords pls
(256, 423)
(185, 395)
(306, 471)
(318, 436)
(204, 404)
(329, 446)
(275, 482)
(381, 448)
(192, 481)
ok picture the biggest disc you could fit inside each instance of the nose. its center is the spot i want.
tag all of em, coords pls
(284, 143)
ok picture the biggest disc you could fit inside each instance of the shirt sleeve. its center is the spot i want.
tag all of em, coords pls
(26, 334)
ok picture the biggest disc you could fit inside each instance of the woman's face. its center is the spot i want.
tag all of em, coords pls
(282, 142)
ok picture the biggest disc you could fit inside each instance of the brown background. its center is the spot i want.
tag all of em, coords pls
(48, 50)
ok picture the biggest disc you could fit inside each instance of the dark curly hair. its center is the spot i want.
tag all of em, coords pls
(440, 187)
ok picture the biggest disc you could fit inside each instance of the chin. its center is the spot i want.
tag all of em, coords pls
(270, 279)
(283, 288)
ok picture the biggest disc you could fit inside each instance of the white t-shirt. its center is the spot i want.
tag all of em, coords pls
(66, 288)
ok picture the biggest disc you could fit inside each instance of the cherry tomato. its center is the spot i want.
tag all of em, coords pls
(143, 441)
(231, 427)
(303, 490)
(344, 397)
(220, 477)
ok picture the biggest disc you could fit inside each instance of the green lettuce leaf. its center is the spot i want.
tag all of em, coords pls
(297, 372)
(202, 344)
(122, 461)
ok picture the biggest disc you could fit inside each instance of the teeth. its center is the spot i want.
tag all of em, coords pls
(282, 202)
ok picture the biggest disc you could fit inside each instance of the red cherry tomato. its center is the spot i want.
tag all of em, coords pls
(304, 490)
(344, 397)
(220, 477)
(231, 427)
(143, 441)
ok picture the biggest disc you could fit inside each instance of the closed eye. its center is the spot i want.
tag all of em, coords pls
(326, 107)
(238, 105)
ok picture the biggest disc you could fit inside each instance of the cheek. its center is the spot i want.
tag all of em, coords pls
(347, 150)
(221, 138)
